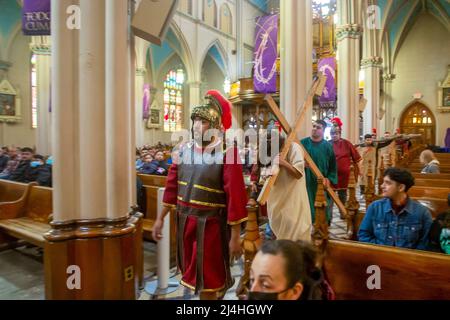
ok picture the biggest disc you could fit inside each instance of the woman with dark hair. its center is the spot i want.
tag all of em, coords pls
(287, 270)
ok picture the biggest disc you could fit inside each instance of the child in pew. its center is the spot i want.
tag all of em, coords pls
(440, 232)
(396, 220)
(288, 270)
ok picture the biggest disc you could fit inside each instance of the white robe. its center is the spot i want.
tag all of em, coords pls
(288, 205)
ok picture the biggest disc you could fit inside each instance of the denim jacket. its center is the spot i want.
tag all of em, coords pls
(408, 229)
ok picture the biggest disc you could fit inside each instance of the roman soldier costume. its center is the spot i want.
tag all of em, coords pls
(207, 188)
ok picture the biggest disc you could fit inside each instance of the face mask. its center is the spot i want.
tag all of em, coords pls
(35, 164)
(49, 161)
(445, 240)
(256, 295)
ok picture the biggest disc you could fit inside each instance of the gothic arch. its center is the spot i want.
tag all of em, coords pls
(186, 54)
(223, 55)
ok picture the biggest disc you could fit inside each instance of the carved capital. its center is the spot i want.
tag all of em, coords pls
(141, 71)
(351, 31)
(389, 77)
(372, 62)
(5, 65)
(41, 48)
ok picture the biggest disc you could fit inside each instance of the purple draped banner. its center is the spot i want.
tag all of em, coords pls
(146, 102)
(328, 67)
(36, 17)
(265, 55)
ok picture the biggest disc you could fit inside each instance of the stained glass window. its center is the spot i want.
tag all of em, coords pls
(173, 100)
(33, 92)
(322, 9)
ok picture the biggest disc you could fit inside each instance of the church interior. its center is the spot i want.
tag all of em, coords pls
(95, 97)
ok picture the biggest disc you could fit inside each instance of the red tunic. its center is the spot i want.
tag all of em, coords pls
(345, 153)
(214, 273)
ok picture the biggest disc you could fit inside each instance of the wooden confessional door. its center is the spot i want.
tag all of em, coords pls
(417, 118)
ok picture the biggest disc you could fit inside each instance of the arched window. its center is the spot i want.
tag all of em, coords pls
(33, 92)
(210, 12)
(173, 100)
(186, 6)
(226, 19)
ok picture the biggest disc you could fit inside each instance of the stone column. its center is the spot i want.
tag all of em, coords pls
(372, 68)
(239, 39)
(296, 60)
(92, 110)
(194, 93)
(348, 36)
(118, 116)
(94, 237)
(65, 144)
(139, 86)
(388, 122)
(41, 48)
(194, 100)
(141, 47)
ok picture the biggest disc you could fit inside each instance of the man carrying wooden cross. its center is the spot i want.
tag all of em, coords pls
(321, 151)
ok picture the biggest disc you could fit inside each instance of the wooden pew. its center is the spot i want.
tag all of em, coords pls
(153, 180)
(436, 206)
(405, 274)
(151, 185)
(444, 176)
(418, 168)
(438, 183)
(429, 192)
(11, 191)
(28, 217)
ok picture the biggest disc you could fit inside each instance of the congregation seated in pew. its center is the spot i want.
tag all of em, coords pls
(23, 165)
(396, 220)
(152, 163)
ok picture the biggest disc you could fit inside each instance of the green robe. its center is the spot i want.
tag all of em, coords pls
(323, 155)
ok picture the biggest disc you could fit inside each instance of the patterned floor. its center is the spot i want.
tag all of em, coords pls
(22, 270)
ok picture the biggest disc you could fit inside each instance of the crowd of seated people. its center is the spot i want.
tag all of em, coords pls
(153, 160)
(24, 165)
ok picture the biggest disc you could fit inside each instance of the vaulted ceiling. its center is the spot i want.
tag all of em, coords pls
(399, 16)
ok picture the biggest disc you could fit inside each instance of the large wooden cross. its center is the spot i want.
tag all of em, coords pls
(316, 89)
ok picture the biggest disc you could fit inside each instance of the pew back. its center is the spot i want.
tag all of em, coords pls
(438, 183)
(153, 180)
(429, 192)
(11, 191)
(445, 176)
(404, 273)
(39, 204)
